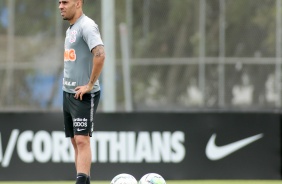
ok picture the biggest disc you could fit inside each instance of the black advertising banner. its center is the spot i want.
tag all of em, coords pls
(176, 145)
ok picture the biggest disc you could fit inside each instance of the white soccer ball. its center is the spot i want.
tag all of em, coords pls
(124, 179)
(152, 178)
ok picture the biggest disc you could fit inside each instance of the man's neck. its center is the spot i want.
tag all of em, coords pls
(76, 16)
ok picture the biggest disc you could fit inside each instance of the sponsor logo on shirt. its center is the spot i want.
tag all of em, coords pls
(69, 55)
(67, 82)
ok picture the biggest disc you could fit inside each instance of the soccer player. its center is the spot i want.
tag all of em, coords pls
(83, 62)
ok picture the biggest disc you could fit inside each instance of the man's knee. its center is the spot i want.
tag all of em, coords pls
(82, 141)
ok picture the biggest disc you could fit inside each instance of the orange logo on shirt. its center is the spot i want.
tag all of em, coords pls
(69, 55)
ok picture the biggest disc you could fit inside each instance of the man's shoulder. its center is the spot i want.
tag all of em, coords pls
(87, 21)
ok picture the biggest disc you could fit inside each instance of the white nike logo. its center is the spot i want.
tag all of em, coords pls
(79, 130)
(215, 152)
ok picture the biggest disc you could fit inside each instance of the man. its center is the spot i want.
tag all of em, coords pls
(83, 62)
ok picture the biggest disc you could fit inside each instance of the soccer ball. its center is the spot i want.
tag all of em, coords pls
(152, 178)
(124, 179)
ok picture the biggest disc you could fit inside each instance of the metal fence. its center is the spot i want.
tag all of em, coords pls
(183, 55)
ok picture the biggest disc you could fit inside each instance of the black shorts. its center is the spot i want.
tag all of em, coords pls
(79, 114)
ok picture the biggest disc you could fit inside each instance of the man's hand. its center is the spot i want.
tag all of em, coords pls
(81, 90)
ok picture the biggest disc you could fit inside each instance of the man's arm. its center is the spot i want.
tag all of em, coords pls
(98, 63)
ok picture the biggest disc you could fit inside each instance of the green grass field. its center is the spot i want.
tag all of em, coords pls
(168, 182)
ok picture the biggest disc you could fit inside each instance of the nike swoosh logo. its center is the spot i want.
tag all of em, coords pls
(79, 130)
(215, 152)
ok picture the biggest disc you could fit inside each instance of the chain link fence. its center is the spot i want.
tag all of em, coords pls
(185, 55)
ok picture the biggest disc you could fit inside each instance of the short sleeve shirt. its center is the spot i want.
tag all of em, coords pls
(80, 39)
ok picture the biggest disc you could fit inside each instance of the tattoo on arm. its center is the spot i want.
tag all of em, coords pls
(98, 51)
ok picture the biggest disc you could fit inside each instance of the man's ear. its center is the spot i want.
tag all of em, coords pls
(79, 3)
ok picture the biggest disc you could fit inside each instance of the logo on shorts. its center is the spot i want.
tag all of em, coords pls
(80, 122)
(79, 130)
